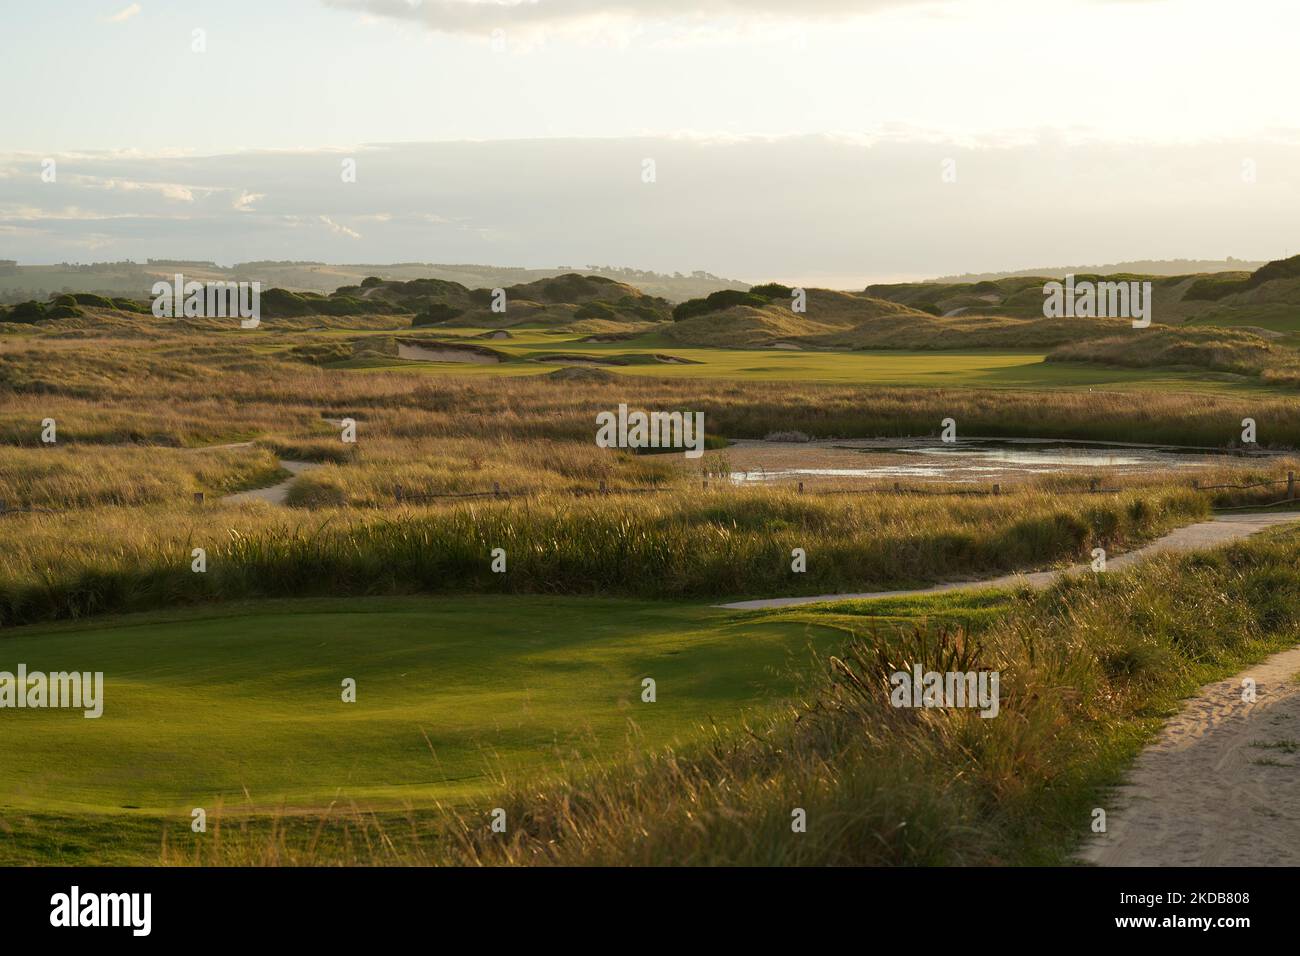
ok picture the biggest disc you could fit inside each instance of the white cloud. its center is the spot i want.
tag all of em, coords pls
(245, 201)
(10, 213)
(340, 230)
(176, 192)
(480, 17)
(866, 205)
(126, 13)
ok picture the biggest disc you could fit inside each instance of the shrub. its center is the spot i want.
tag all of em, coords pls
(435, 313)
(716, 302)
(27, 312)
(91, 299)
(595, 310)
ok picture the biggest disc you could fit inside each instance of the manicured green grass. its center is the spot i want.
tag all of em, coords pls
(1275, 316)
(242, 708)
(990, 368)
(1089, 668)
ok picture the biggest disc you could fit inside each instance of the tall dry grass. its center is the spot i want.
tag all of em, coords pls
(81, 476)
(682, 544)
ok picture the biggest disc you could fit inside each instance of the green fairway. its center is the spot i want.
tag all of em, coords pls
(453, 695)
(988, 368)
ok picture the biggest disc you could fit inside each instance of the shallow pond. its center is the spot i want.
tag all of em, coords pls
(974, 460)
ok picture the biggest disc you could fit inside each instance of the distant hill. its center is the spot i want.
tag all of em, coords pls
(583, 303)
(19, 283)
(1263, 304)
(1150, 267)
(587, 304)
(1267, 297)
(764, 318)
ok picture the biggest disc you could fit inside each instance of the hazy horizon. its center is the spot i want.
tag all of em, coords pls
(863, 141)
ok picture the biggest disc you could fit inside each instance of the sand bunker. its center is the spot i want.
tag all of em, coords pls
(440, 352)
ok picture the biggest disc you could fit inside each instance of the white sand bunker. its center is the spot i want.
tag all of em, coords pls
(446, 353)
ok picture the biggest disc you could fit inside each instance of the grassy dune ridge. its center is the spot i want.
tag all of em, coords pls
(117, 395)
(681, 544)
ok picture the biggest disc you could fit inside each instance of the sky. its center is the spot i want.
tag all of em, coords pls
(867, 140)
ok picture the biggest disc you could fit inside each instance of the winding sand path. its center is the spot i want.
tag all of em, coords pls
(1220, 786)
(274, 494)
(1193, 537)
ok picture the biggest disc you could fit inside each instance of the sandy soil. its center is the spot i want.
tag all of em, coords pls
(1221, 784)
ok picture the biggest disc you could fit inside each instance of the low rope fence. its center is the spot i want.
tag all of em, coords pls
(404, 495)
(1290, 498)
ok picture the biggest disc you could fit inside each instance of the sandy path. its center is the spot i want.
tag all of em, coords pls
(1205, 534)
(1221, 784)
(233, 444)
(274, 494)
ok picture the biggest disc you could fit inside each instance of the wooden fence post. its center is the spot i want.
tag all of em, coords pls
(603, 489)
(1092, 485)
(801, 487)
(1290, 485)
(398, 491)
(997, 489)
(1196, 484)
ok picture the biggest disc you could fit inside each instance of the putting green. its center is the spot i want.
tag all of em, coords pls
(241, 706)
